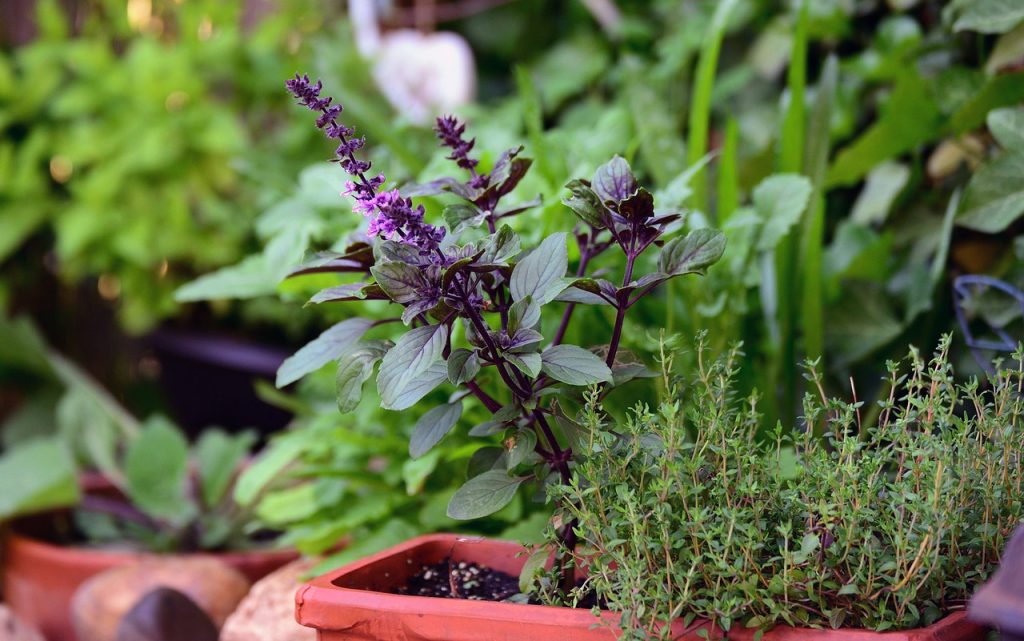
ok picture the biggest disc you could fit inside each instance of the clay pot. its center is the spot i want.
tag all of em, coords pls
(354, 603)
(40, 577)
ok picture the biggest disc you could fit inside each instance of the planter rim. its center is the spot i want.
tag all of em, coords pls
(318, 601)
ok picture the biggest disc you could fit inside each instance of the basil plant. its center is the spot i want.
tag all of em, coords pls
(469, 313)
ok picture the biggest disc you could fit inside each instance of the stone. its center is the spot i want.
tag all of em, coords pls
(268, 612)
(166, 615)
(101, 603)
(12, 629)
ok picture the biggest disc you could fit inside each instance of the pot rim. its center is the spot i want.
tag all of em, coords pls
(317, 597)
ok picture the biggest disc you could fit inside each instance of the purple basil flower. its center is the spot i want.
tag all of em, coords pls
(449, 131)
(390, 214)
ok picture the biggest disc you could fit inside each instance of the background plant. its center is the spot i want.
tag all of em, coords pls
(884, 525)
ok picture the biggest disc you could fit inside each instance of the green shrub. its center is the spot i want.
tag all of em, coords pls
(883, 525)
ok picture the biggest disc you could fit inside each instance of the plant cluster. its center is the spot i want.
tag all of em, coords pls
(474, 308)
(684, 515)
(167, 496)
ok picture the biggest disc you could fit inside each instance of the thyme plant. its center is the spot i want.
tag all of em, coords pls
(472, 309)
(688, 517)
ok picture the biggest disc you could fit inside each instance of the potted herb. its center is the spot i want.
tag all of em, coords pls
(154, 494)
(473, 311)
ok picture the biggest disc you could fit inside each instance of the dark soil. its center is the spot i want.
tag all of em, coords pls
(449, 579)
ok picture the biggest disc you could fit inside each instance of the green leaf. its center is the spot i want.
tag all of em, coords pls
(527, 363)
(523, 313)
(37, 475)
(258, 476)
(540, 274)
(614, 181)
(462, 215)
(463, 366)
(354, 368)
(402, 282)
(780, 200)
(693, 253)
(522, 447)
(404, 366)
(501, 246)
(323, 349)
(156, 473)
(990, 16)
(483, 495)
(534, 565)
(432, 427)
(585, 203)
(910, 117)
(995, 195)
(416, 470)
(1007, 127)
(574, 365)
(248, 279)
(218, 455)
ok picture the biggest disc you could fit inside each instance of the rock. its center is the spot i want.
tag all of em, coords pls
(101, 602)
(12, 629)
(268, 612)
(166, 615)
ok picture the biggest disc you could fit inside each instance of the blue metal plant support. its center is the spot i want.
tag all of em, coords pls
(972, 287)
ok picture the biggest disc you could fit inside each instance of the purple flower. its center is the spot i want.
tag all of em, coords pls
(449, 131)
(390, 214)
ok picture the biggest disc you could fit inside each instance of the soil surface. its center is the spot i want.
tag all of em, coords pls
(461, 580)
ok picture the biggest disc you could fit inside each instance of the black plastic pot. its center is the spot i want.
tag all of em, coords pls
(209, 379)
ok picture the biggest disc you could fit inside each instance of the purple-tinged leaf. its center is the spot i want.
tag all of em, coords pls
(501, 246)
(523, 337)
(349, 292)
(517, 170)
(515, 210)
(329, 264)
(574, 365)
(354, 368)
(409, 364)
(396, 252)
(585, 203)
(323, 349)
(462, 215)
(438, 186)
(528, 364)
(463, 366)
(540, 274)
(614, 181)
(693, 253)
(523, 313)
(432, 427)
(637, 208)
(483, 495)
(405, 284)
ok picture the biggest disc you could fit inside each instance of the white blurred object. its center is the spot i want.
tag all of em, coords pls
(422, 75)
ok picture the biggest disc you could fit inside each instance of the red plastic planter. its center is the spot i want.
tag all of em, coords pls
(354, 604)
(39, 578)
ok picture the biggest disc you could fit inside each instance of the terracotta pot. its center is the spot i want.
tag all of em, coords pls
(39, 577)
(354, 603)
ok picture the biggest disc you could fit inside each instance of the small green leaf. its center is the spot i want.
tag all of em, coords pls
(354, 368)
(411, 357)
(574, 365)
(693, 253)
(780, 200)
(322, 350)
(483, 495)
(540, 274)
(1007, 127)
(463, 366)
(523, 313)
(218, 455)
(432, 427)
(529, 364)
(258, 476)
(585, 203)
(522, 447)
(156, 472)
(462, 215)
(416, 470)
(534, 565)
(989, 16)
(501, 246)
(995, 195)
(37, 475)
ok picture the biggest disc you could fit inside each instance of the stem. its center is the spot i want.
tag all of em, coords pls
(485, 398)
(620, 314)
(481, 329)
(118, 509)
(567, 314)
